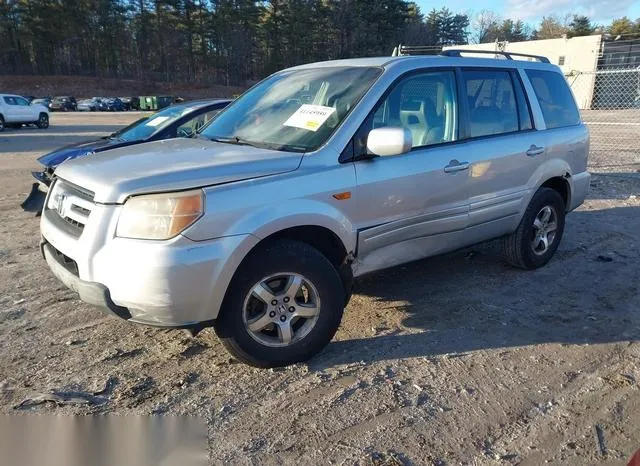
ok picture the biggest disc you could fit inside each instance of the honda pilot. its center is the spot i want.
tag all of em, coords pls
(317, 175)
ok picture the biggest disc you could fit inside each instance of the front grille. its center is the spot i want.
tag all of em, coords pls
(71, 204)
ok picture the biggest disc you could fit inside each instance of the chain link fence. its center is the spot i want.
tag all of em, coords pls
(609, 101)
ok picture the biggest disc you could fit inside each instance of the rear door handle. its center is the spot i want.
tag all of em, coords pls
(534, 150)
(455, 166)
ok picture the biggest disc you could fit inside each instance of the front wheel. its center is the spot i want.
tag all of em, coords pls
(1, 123)
(538, 236)
(43, 121)
(283, 306)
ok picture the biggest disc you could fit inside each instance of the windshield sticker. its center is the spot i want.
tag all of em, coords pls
(310, 117)
(157, 121)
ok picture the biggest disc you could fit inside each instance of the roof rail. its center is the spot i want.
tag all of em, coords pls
(507, 55)
(401, 50)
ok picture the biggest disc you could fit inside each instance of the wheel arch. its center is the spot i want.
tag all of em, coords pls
(321, 237)
(561, 185)
(554, 174)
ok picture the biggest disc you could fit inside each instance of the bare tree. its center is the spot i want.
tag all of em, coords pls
(483, 24)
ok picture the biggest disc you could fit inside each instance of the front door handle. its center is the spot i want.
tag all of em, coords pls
(534, 150)
(455, 166)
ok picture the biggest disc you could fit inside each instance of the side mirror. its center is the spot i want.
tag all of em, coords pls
(389, 141)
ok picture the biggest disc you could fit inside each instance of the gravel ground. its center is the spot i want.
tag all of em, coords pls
(453, 360)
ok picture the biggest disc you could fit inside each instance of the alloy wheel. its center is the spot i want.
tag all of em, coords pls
(281, 309)
(545, 226)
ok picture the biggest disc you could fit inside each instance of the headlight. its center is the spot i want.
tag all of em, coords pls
(160, 216)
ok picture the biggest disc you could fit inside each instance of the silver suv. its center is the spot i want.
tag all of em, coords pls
(319, 174)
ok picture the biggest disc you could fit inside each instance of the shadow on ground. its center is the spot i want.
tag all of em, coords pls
(470, 300)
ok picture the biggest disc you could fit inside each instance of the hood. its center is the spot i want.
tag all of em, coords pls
(172, 165)
(55, 158)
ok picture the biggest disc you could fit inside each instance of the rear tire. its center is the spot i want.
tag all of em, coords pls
(540, 231)
(254, 329)
(43, 121)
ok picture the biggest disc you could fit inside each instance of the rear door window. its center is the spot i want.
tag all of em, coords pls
(554, 96)
(491, 102)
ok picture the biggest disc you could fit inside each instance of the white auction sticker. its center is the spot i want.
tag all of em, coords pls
(157, 121)
(310, 117)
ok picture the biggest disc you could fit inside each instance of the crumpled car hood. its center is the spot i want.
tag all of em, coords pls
(55, 158)
(171, 165)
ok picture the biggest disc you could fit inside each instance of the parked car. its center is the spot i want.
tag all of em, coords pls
(127, 103)
(89, 105)
(101, 103)
(29, 98)
(63, 104)
(16, 111)
(177, 121)
(319, 174)
(114, 105)
(44, 101)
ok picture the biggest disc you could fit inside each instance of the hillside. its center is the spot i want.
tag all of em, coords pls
(85, 86)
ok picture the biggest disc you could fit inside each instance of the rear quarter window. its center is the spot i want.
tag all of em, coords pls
(554, 96)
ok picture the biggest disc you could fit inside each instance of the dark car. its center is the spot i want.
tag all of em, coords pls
(63, 104)
(114, 105)
(181, 120)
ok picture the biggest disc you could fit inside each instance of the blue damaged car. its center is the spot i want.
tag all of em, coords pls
(180, 120)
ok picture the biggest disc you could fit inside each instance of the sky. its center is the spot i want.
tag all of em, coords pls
(531, 11)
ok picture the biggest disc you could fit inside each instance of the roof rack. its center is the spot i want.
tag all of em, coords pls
(416, 50)
(507, 55)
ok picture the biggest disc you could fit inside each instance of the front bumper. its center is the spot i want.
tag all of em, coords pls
(90, 292)
(172, 283)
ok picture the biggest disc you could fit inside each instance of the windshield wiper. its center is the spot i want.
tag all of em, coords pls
(261, 145)
(233, 140)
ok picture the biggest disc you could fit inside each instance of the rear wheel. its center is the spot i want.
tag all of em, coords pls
(43, 121)
(283, 306)
(538, 236)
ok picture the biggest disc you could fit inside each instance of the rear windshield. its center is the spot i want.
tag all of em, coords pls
(554, 96)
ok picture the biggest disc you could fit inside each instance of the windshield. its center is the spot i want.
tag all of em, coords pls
(145, 127)
(294, 110)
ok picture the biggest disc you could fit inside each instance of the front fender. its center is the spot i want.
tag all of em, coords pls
(264, 222)
(300, 212)
(269, 219)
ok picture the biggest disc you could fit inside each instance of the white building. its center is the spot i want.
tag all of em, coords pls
(577, 57)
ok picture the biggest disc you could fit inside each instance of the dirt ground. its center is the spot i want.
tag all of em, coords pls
(452, 360)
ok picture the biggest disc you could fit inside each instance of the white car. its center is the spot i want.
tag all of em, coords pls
(16, 111)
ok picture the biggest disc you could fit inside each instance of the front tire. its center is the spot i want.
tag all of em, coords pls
(1, 123)
(43, 121)
(283, 306)
(540, 231)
